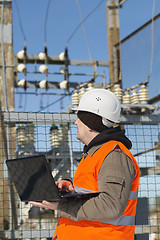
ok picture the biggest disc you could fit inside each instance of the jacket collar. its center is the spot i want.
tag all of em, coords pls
(110, 134)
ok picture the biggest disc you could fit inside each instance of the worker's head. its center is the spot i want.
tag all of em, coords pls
(99, 109)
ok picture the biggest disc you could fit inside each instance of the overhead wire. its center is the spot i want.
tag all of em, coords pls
(45, 23)
(25, 46)
(25, 42)
(60, 99)
(45, 44)
(79, 25)
(25, 103)
(84, 31)
(48, 105)
(152, 52)
(20, 21)
(152, 42)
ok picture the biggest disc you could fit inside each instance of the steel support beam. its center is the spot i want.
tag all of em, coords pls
(54, 59)
(49, 118)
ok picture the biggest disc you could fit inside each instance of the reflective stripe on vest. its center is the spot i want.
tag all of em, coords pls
(82, 190)
(125, 220)
(132, 195)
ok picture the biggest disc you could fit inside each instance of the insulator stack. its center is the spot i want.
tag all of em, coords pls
(134, 97)
(126, 97)
(75, 98)
(63, 134)
(25, 139)
(118, 91)
(143, 94)
(30, 133)
(21, 135)
(90, 86)
(82, 91)
(54, 137)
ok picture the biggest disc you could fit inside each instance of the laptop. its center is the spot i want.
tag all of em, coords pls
(33, 180)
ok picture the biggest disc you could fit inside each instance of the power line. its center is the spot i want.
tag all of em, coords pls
(53, 103)
(45, 23)
(152, 40)
(20, 21)
(79, 25)
(84, 31)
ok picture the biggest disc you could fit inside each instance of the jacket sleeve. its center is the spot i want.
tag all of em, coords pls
(114, 182)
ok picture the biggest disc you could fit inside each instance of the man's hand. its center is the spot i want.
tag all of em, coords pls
(45, 204)
(64, 185)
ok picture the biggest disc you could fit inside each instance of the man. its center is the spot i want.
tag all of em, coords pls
(107, 167)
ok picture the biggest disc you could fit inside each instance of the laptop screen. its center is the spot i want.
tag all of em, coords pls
(33, 179)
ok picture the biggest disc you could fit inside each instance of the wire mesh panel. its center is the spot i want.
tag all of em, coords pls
(26, 134)
(146, 145)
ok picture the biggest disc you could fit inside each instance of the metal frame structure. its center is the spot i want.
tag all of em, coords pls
(47, 118)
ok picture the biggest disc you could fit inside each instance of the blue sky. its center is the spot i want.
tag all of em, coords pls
(63, 18)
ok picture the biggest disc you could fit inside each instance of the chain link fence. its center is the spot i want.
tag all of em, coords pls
(25, 134)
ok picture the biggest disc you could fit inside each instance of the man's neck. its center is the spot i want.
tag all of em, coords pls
(90, 137)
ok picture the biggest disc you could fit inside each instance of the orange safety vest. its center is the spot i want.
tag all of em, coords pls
(86, 178)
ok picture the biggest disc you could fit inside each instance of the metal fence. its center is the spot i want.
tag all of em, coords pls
(24, 134)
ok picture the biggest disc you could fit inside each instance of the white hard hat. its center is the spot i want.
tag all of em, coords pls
(101, 102)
